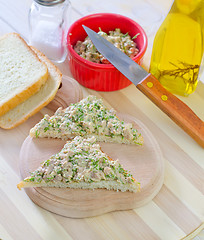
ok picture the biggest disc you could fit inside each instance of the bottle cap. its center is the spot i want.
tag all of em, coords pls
(49, 2)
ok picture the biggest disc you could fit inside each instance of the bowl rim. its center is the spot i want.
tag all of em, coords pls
(100, 65)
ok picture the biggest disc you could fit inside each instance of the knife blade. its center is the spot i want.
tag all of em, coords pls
(133, 71)
(177, 110)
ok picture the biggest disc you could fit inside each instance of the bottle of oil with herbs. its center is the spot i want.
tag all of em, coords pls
(178, 47)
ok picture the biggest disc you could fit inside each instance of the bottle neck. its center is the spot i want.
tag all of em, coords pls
(188, 7)
(49, 2)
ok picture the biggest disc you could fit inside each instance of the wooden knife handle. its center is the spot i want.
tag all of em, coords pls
(178, 111)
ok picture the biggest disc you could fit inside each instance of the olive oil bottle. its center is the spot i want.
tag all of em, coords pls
(178, 47)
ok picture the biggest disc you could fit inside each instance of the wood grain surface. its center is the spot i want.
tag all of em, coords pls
(144, 162)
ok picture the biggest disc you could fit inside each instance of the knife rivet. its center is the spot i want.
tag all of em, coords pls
(149, 84)
(164, 97)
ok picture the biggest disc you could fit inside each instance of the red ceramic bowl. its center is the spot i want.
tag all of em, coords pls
(102, 77)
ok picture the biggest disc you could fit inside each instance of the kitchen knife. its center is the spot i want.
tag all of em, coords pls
(178, 111)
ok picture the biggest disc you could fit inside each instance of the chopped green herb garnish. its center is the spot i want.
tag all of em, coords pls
(136, 35)
(125, 35)
(37, 133)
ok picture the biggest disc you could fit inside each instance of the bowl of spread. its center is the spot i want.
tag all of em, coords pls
(87, 65)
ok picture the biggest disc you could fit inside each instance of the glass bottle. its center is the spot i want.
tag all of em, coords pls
(48, 25)
(178, 47)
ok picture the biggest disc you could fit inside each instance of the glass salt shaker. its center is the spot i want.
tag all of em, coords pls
(48, 25)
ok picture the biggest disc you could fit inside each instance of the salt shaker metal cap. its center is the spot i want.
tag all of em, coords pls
(49, 2)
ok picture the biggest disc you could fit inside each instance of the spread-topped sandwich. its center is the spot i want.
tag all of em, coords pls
(89, 117)
(81, 164)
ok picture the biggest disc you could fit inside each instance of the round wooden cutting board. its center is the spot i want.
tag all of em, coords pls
(145, 163)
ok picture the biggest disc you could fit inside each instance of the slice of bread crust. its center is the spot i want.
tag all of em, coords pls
(35, 103)
(81, 164)
(21, 72)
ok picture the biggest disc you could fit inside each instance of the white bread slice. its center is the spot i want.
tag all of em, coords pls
(32, 105)
(89, 117)
(81, 164)
(21, 72)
